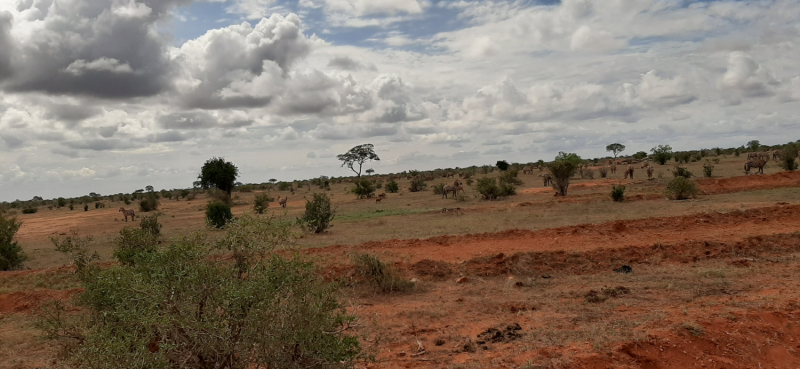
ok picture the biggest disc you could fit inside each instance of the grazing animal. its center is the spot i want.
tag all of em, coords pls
(650, 171)
(755, 163)
(378, 199)
(613, 168)
(547, 179)
(629, 172)
(282, 202)
(382, 195)
(527, 170)
(540, 168)
(128, 213)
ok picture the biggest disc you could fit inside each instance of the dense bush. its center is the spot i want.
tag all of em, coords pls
(134, 244)
(490, 189)
(30, 210)
(603, 172)
(682, 172)
(438, 189)
(77, 247)
(383, 277)
(417, 184)
(363, 188)
(262, 201)
(285, 186)
(588, 173)
(218, 214)
(319, 214)
(392, 187)
(682, 157)
(502, 165)
(150, 224)
(680, 188)
(182, 307)
(662, 154)
(11, 255)
(640, 155)
(563, 168)
(618, 193)
(788, 160)
(62, 202)
(510, 177)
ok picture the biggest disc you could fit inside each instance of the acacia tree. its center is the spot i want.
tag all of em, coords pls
(753, 145)
(662, 153)
(370, 171)
(217, 172)
(564, 167)
(358, 156)
(616, 148)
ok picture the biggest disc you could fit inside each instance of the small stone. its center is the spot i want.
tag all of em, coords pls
(462, 280)
(439, 342)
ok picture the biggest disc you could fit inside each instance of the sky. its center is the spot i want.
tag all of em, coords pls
(110, 96)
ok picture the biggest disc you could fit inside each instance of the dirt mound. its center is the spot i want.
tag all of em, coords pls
(27, 301)
(710, 186)
(500, 335)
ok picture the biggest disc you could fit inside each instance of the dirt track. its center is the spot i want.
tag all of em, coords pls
(711, 227)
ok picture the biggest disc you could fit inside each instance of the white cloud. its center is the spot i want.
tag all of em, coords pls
(745, 78)
(369, 7)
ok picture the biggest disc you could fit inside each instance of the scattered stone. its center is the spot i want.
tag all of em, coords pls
(462, 280)
(495, 335)
(546, 277)
(624, 269)
(594, 297)
(616, 291)
(401, 354)
(439, 342)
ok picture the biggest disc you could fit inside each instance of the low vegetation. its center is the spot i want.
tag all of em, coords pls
(363, 188)
(491, 190)
(262, 201)
(319, 214)
(563, 168)
(382, 277)
(392, 187)
(682, 172)
(11, 255)
(681, 188)
(218, 214)
(618, 193)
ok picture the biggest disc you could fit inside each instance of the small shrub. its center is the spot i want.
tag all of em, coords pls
(134, 243)
(708, 170)
(85, 207)
(383, 277)
(392, 187)
(438, 189)
(417, 184)
(184, 193)
(150, 224)
(77, 247)
(618, 193)
(319, 214)
(285, 186)
(682, 172)
(262, 202)
(363, 188)
(191, 196)
(11, 255)
(682, 157)
(30, 210)
(693, 328)
(680, 188)
(788, 160)
(562, 169)
(510, 177)
(62, 202)
(148, 204)
(588, 173)
(218, 214)
(71, 207)
(603, 172)
(490, 189)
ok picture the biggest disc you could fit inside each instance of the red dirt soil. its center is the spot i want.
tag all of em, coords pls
(28, 301)
(710, 227)
(710, 186)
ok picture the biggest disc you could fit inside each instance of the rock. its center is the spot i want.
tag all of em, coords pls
(624, 269)
(439, 342)
(462, 280)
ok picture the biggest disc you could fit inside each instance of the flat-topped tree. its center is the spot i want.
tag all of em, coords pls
(615, 148)
(217, 172)
(357, 156)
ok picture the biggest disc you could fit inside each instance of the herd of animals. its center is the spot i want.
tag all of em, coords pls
(755, 160)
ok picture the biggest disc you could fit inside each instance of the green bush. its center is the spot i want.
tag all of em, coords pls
(563, 168)
(438, 189)
(417, 184)
(285, 186)
(682, 172)
(262, 202)
(490, 189)
(363, 188)
(708, 170)
(680, 188)
(682, 157)
(85, 207)
(319, 214)
(182, 307)
(77, 247)
(218, 214)
(392, 187)
(70, 207)
(788, 160)
(383, 277)
(149, 203)
(640, 155)
(11, 255)
(62, 202)
(510, 177)
(662, 154)
(134, 244)
(184, 193)
(150, 224)
(30, 210)
(502, 165)
(618, 193)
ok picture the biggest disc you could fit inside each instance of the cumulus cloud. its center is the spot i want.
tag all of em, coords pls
(349, 64)
(6, 44)
(586, 39)
(370, 7)
(746, 78)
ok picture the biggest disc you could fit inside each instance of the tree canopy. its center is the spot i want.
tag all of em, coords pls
(662, 153)
(753, 145)
(217, 172)
(616, 148)
(357, 156)
(564, 167)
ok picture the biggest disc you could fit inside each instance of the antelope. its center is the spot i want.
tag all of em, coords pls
(128, 213)
(629, 172)
(758, 163)
(282, 202)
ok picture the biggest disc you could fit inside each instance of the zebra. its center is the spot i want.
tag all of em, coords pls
(629, 172)
(282, 202)
(128, 213)
(547, 179)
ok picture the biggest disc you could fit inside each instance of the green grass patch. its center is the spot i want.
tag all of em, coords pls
(379, 213)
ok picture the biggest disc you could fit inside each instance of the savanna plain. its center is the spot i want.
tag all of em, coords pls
(530, 280)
